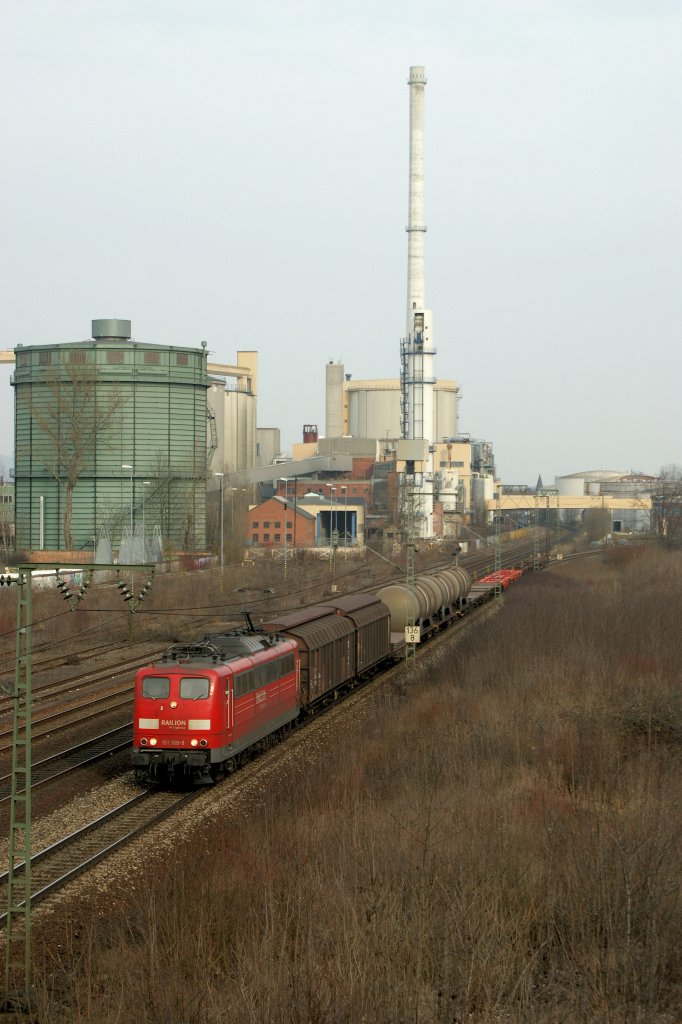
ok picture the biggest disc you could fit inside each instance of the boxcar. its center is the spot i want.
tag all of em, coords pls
(372, 621)
(326, 644)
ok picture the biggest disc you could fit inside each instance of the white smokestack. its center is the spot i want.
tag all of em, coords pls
(417, 378)
(416, 227)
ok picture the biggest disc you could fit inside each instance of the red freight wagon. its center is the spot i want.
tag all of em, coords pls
(503, 577)
(202, 705)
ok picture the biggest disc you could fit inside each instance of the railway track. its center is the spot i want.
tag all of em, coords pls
(71, 758)
(62, 687)
(477, 561)
(66, 859)
(83, 710)
(58, 864)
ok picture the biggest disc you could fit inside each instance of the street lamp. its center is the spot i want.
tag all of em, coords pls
(145, 483)
(232, 493)
(126, 465)
(332, 550)
(345, 520)
(222, 533)
(285, 481)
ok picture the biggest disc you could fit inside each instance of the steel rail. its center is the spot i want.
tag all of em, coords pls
(69, 759)
(73, 715)
(56, 865)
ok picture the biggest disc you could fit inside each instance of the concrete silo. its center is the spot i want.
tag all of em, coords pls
(373, 408)
(109, 434)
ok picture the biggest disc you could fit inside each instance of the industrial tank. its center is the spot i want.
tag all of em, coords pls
(373, 408)
(109, 434)
(432, 593)
(457, 579)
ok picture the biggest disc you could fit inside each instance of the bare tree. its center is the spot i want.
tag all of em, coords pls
(161, 476)
(597, 523)
(74, 414)
(666, 501)
(6, 515)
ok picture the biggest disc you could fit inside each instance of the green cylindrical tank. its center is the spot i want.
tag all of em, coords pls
(109, 433)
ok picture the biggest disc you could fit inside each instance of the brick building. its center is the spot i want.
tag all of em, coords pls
(275, 522)
(307, 520)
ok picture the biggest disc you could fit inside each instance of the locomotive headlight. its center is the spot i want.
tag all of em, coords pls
(203, 743)
(194, 743)
(143, 743)
(173, 703)
(152, 742)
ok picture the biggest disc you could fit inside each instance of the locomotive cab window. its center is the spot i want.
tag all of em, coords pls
(156, 687)
(194, 688)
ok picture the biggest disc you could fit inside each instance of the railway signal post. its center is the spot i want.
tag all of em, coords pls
(18, 921)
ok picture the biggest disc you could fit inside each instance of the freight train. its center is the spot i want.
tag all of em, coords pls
(203, 707)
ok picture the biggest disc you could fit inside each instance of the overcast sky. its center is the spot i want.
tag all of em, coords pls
(237, 172)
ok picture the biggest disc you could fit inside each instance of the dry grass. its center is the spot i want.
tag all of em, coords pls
(502, 844)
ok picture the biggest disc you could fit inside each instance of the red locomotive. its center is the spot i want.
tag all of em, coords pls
(202, 705)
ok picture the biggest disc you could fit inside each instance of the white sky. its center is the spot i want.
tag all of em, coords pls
(237, 172)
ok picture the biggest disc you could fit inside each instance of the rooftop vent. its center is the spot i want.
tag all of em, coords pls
(116, 330)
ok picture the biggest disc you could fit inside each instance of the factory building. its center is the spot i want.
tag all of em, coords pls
(268, 445)
(311, 519)
(110, 436)
(276, 523)
(463, 469)
(231, 409)
(413, 418)
(373, 408)
(613, 483)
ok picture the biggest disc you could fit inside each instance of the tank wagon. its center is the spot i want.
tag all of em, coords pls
(431, 603)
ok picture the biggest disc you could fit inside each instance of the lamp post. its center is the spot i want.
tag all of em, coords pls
(232, 494)
(233, 491)
(285, 481)
(222, 532)
(345, 520)
(145, 483)
(285, 538)
(126, 465)
(332, 549)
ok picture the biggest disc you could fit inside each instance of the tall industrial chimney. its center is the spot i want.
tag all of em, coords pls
(416, 229)
(416, 377)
